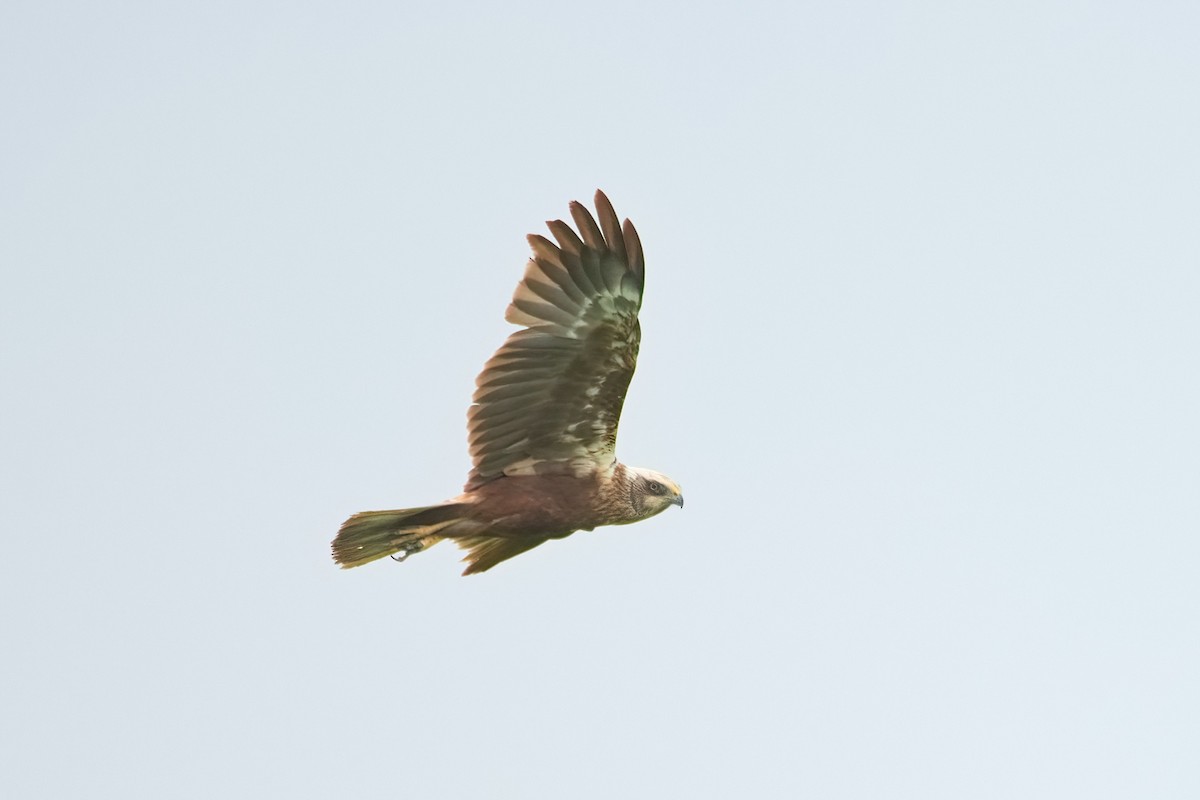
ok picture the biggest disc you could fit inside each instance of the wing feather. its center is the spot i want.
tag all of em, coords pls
(633, 250)
(568, 241)
(611, 226)
(589, 231)
(552, 294)
(549, 401)
(485, 552)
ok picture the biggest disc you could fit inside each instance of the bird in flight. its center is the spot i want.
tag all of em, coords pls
(542, 426)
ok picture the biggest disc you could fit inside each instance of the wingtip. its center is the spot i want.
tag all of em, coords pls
(610, 226)
(633, 249)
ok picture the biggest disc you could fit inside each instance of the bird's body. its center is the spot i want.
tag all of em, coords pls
(543, 424)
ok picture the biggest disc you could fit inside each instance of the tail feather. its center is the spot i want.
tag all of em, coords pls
(372, 535)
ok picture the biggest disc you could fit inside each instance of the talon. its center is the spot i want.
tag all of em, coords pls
(407, 549)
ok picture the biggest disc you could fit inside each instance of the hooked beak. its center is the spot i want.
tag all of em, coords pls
(678, 500)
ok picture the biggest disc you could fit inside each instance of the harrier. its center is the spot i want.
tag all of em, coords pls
(542, 426)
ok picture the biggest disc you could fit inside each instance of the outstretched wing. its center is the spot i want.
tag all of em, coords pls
(549, 400)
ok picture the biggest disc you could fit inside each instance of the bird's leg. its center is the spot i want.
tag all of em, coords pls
(407, 549)
(414, 544)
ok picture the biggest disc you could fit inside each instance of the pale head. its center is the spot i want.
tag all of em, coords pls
(651, 492)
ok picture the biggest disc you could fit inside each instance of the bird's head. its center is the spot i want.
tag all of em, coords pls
(651, 492)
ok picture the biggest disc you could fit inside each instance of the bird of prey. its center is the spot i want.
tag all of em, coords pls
(542, 426)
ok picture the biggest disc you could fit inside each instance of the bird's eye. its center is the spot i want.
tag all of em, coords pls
(654, 487)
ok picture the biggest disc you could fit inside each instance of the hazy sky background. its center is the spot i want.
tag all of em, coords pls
(921, 339)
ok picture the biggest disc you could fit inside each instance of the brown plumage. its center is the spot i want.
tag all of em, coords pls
(542, 427)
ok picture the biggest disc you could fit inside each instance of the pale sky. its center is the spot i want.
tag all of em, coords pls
(919, 341)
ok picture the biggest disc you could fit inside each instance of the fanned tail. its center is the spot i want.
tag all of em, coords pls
(372, 535)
